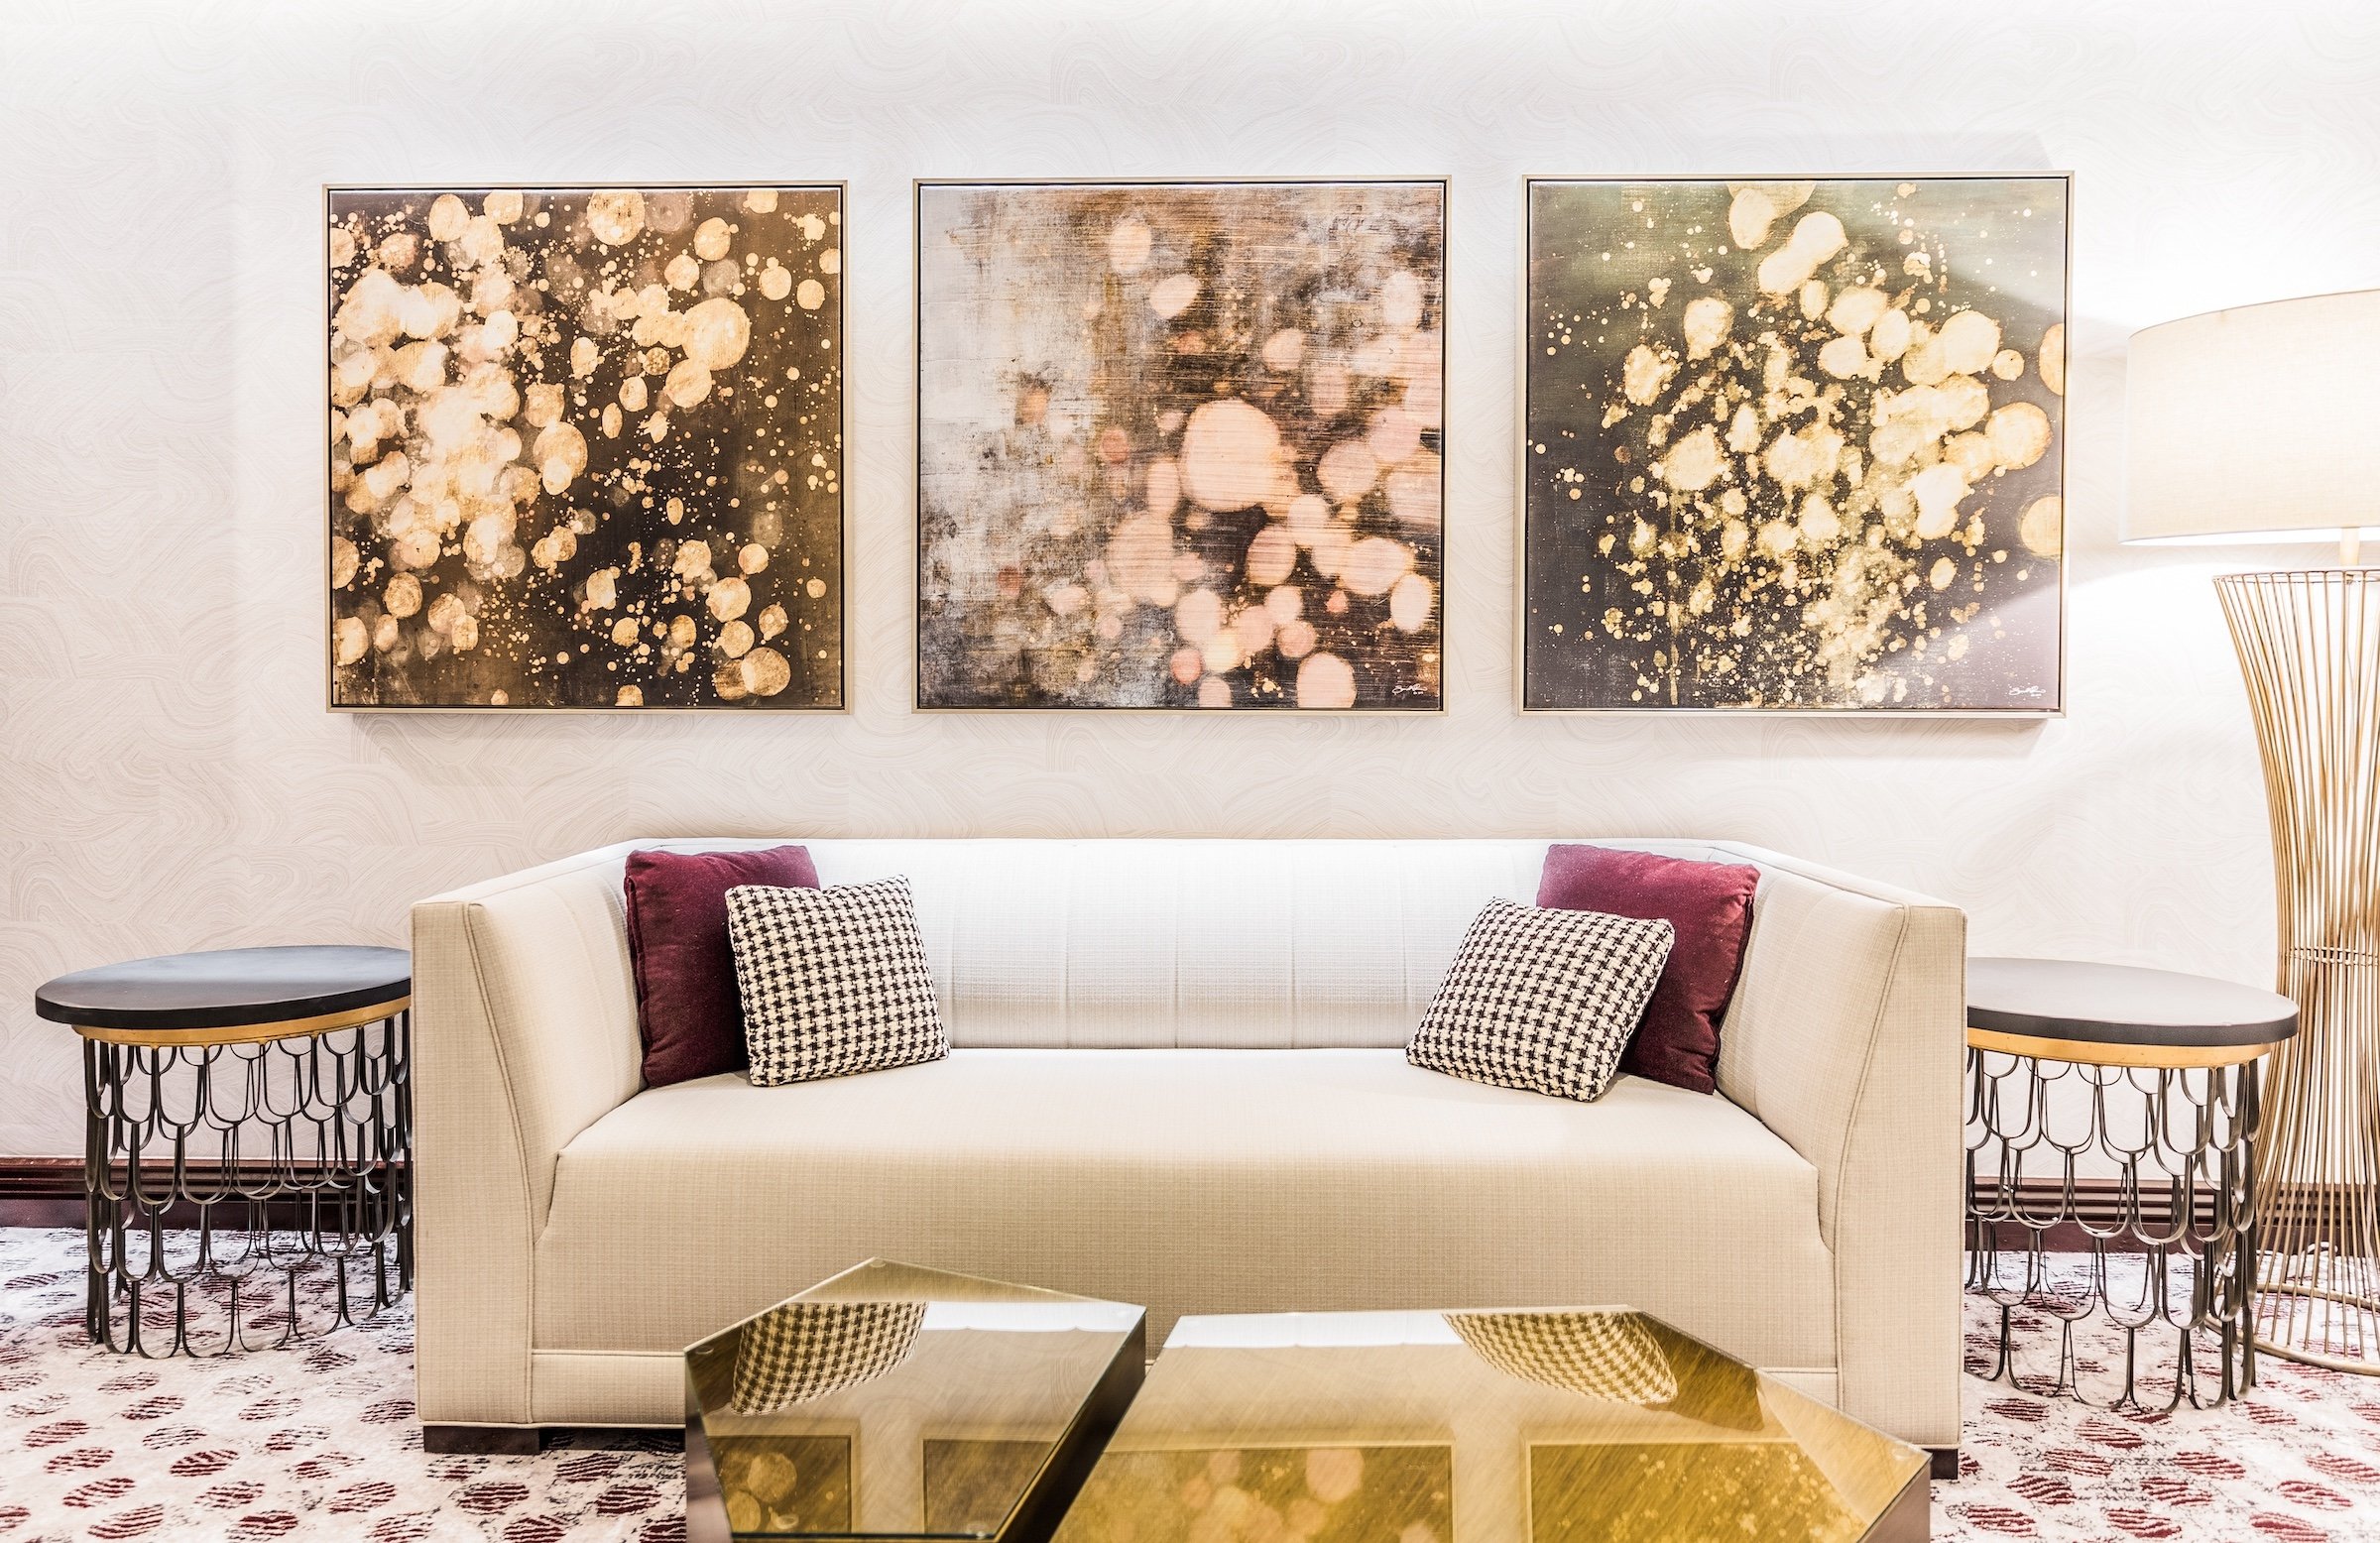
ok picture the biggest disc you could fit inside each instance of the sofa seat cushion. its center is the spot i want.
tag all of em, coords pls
(1187, 1181)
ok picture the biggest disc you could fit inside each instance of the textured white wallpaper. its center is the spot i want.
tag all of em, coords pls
(172, 780)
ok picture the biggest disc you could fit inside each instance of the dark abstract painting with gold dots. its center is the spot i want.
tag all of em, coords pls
(1179, 445)
(586, 447)
(1795, 444)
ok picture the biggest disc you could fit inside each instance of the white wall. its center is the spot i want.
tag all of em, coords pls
(172, 780)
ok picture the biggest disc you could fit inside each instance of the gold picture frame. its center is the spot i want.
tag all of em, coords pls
(469, 562)
(1001, 628)
(2036, 690)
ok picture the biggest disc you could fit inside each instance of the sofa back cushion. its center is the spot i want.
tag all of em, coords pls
(1188, 943)
(1193, 943)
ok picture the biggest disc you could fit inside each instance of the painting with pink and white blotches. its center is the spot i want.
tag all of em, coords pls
(1795, 446)
(586, 447)
(1179, 445)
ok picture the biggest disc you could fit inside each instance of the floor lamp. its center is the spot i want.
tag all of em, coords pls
(2256, 425)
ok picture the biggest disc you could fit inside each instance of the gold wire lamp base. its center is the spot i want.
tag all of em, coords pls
(2309, 645)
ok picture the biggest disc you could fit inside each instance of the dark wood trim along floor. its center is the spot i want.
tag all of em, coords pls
(40, 1192)
(47, 1192)
(2101, 1213)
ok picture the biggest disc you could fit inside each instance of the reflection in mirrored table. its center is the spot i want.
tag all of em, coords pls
(1506, 1427)
(896, 1403)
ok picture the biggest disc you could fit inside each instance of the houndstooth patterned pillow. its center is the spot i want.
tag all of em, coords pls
(1543, 1001)
(803, 1350)
(834, 981)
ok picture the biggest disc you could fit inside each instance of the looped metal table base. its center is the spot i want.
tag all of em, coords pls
(2183, 1143)
(314, 1129)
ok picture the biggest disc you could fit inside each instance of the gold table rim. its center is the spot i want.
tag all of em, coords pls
(2108, 1052)
(250, 1033)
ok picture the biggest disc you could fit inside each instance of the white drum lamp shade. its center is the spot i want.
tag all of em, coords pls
(2257, 423)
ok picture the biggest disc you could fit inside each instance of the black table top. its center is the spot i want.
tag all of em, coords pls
(2061, 998)
(228, 988)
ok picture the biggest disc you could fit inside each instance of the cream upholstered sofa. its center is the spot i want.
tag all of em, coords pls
(1177, 1080)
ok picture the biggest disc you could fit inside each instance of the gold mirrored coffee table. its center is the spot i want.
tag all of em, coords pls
(893, 1402)
(1598, 1426)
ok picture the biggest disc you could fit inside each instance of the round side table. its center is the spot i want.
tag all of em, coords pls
(268, 1082)
(2154, 1075)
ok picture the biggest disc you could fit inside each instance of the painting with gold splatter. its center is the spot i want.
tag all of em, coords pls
(586, 447)
(1795, 444)
(1179, 445)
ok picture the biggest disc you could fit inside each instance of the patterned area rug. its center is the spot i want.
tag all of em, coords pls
(316, 1440)
(319, 1441)
(2296, 1460)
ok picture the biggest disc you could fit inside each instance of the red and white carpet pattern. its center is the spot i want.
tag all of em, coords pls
(314, 1441)
(319, 1441)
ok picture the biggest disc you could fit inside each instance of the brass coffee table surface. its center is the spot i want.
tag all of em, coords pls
(1485, 1427)
(893, 1402)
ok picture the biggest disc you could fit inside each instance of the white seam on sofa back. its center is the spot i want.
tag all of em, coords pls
(1189, 943)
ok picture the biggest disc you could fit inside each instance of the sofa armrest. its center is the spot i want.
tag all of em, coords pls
(525, 1033)
(1846, 1038)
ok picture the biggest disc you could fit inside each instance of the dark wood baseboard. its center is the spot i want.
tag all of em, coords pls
(40, 1192)
(2100, 1207)
(2099, 1202)
(47, 1192)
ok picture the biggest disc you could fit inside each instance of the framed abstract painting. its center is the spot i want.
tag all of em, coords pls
(1794, 445)
(1179, 445)
(586, 448)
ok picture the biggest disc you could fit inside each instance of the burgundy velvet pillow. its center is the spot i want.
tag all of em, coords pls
(1709, 904)
(688, 1009)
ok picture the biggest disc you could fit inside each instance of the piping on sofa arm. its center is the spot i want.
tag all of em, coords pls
(1846, 1038)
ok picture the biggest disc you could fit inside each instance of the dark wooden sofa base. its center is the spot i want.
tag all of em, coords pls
(502, 1441)
(1946, 1461)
